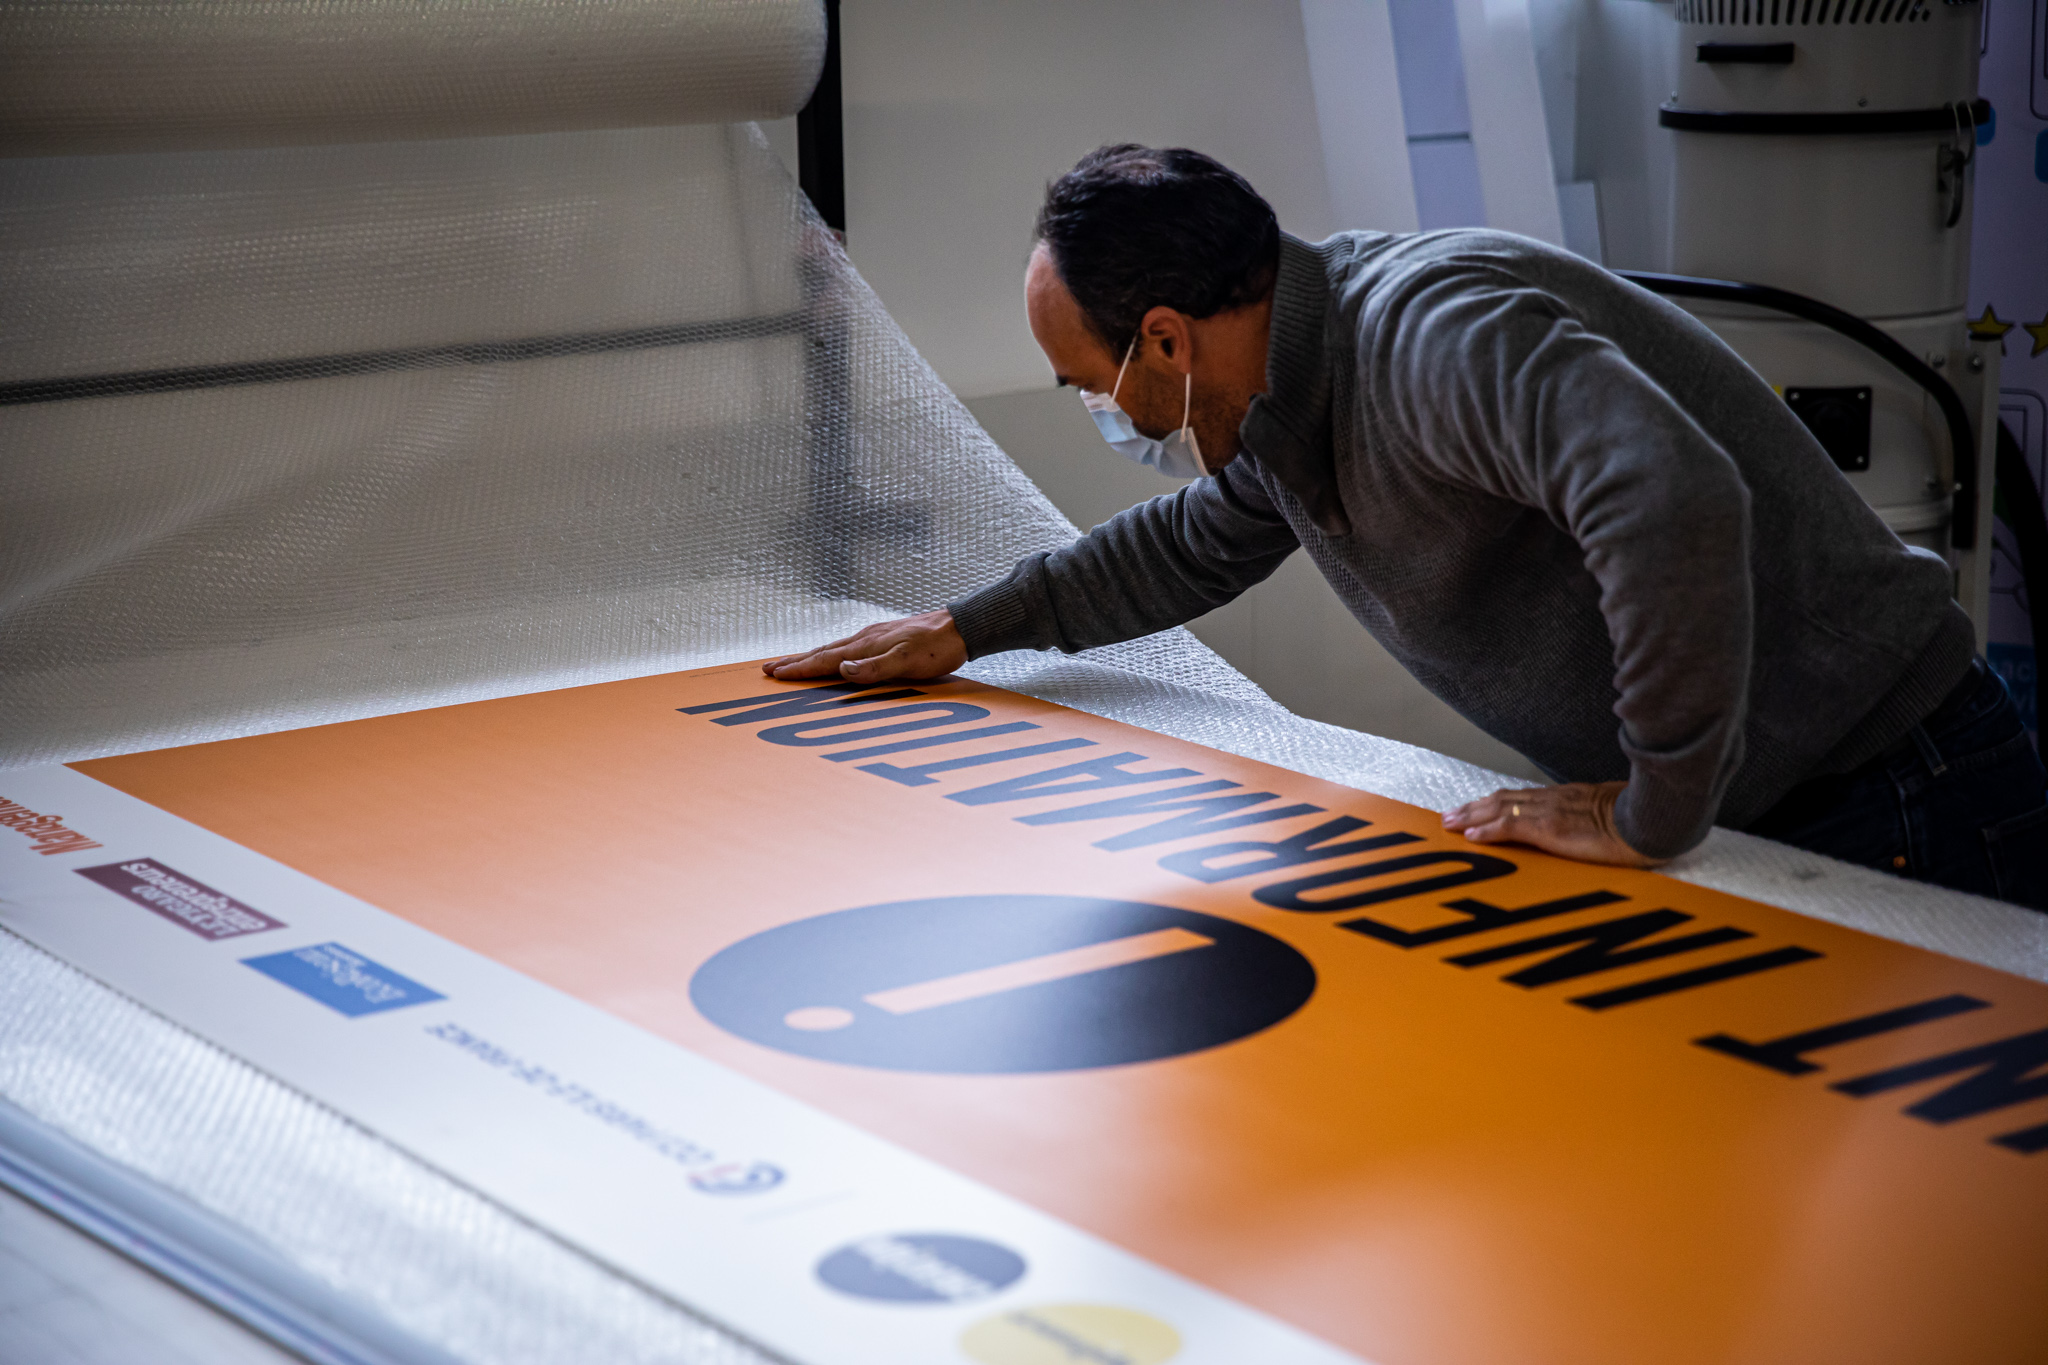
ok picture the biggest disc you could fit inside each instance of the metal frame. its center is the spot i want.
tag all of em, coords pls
(1943, 119)
(821, 136)
(200, 1253)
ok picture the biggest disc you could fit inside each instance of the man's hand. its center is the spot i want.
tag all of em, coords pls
(915, 647)
(1575, 820)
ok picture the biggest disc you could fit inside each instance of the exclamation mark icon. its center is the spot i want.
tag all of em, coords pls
(1008, 976)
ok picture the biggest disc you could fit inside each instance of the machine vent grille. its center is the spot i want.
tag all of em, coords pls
(1786, 13)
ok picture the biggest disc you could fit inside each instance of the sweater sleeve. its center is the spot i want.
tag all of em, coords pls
(1502, 389)
(1146, 569)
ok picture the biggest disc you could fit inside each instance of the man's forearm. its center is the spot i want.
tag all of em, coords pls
(1149, 568)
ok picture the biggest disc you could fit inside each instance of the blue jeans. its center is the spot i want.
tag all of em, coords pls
(1961, 801)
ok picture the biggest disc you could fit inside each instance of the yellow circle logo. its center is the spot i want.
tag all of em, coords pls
(1071, 1334)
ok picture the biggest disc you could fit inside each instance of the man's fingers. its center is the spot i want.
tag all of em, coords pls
(1505, 817)
(1466, 816)
(891, 663)
(819, 663)
(915, 647)
(1503, 821)
(1572, 820)
(822, 662)
(1485, 810)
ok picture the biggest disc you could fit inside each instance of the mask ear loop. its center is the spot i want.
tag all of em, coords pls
(1187, 395)
(1129, 351)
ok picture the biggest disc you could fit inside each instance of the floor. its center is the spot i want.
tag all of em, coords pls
(66, 1299)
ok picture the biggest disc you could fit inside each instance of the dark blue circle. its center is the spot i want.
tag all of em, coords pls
(1239, 982)
(921, 1267)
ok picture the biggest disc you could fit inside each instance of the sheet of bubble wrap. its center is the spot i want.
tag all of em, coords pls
(332, 1199)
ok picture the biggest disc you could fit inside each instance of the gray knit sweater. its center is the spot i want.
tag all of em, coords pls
(1564, 506)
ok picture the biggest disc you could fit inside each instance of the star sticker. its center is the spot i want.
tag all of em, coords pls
(1989, 328)
(2039, 332)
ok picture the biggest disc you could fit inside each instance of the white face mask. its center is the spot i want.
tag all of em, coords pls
(1177, 456)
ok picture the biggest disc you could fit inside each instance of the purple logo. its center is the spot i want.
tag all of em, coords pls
(178, 898)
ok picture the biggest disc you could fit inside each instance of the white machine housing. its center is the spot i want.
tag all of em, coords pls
(1821, 147)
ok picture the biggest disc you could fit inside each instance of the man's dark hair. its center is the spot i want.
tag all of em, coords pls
(1132, 228)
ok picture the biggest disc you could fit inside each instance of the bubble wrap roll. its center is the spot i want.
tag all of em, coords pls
(96, 76)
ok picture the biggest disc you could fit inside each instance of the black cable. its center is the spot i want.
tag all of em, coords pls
(1863, 123)
(1963, 520)
(129, 382)
(2028, 522)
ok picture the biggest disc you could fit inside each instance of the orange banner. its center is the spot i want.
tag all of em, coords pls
(1438, 1104)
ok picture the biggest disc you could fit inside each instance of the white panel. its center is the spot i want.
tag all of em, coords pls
(1358, 108)
(1508, 129)
(1579, 202)
(1628, 64)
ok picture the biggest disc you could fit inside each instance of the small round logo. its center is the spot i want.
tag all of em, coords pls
(993, 984)
(736, 1177)
(921, 1267)
(1066, 1333)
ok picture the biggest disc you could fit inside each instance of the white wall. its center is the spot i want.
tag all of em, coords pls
(959, 111)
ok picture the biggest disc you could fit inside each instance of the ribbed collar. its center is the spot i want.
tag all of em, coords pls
(1287, 428)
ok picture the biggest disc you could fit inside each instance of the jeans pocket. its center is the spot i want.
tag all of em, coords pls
(2018, 852)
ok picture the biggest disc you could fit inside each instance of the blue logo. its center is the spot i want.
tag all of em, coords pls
(343, 980)
(737, 1177)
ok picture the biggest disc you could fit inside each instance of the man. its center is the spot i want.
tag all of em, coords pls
(1558, 500)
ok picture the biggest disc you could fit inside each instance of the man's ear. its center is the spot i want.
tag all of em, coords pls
(1172, 333)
